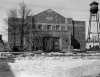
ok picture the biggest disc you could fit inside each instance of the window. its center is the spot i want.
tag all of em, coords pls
(54, 27)
(40, 27)
(57, 27)
(63, 28)
(49, 18)
(48, 27)
(33, 26)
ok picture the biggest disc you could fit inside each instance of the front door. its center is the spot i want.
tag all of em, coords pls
(48, 44)
(56, 44)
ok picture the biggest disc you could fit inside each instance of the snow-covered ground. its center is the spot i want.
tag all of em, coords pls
(42, 66)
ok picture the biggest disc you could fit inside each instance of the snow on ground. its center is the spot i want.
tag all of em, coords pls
(42, 66)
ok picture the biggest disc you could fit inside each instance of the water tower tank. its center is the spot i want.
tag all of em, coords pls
(94, 7)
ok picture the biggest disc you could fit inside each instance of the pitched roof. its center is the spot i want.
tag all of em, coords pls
(49, 16)
(49, 11)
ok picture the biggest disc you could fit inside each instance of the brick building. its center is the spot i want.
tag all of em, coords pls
(47, 31)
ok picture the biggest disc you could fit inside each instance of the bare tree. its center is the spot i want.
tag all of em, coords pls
(22, 13)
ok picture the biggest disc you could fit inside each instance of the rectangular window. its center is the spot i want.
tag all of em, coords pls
(63, 28)
(40, 26)
(57, 27)
(33, 26)
(48, 27)
(54, 27)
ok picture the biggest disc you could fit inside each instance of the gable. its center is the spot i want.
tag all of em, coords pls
(49, 16)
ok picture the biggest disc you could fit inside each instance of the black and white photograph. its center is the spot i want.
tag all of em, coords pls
(49, 38)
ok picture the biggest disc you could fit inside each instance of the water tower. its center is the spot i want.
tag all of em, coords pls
(93, 29)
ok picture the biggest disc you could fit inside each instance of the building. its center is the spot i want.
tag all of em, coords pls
(14, 32)
(47, 31)
(2, 44)
(78, 37)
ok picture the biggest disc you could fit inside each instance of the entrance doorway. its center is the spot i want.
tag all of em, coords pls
(50, 44)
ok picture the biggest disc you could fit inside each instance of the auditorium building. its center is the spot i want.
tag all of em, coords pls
(47, 31)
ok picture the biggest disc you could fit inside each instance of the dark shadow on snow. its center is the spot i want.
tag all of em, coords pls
(5, 70)
(75, 43)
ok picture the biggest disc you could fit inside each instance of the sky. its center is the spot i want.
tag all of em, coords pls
(76, 9)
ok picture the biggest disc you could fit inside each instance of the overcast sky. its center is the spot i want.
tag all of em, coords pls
(77, 9)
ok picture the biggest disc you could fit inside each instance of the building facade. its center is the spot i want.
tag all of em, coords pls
(47, 31)
(78, 35)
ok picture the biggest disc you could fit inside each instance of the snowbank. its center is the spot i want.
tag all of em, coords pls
(41, 66)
